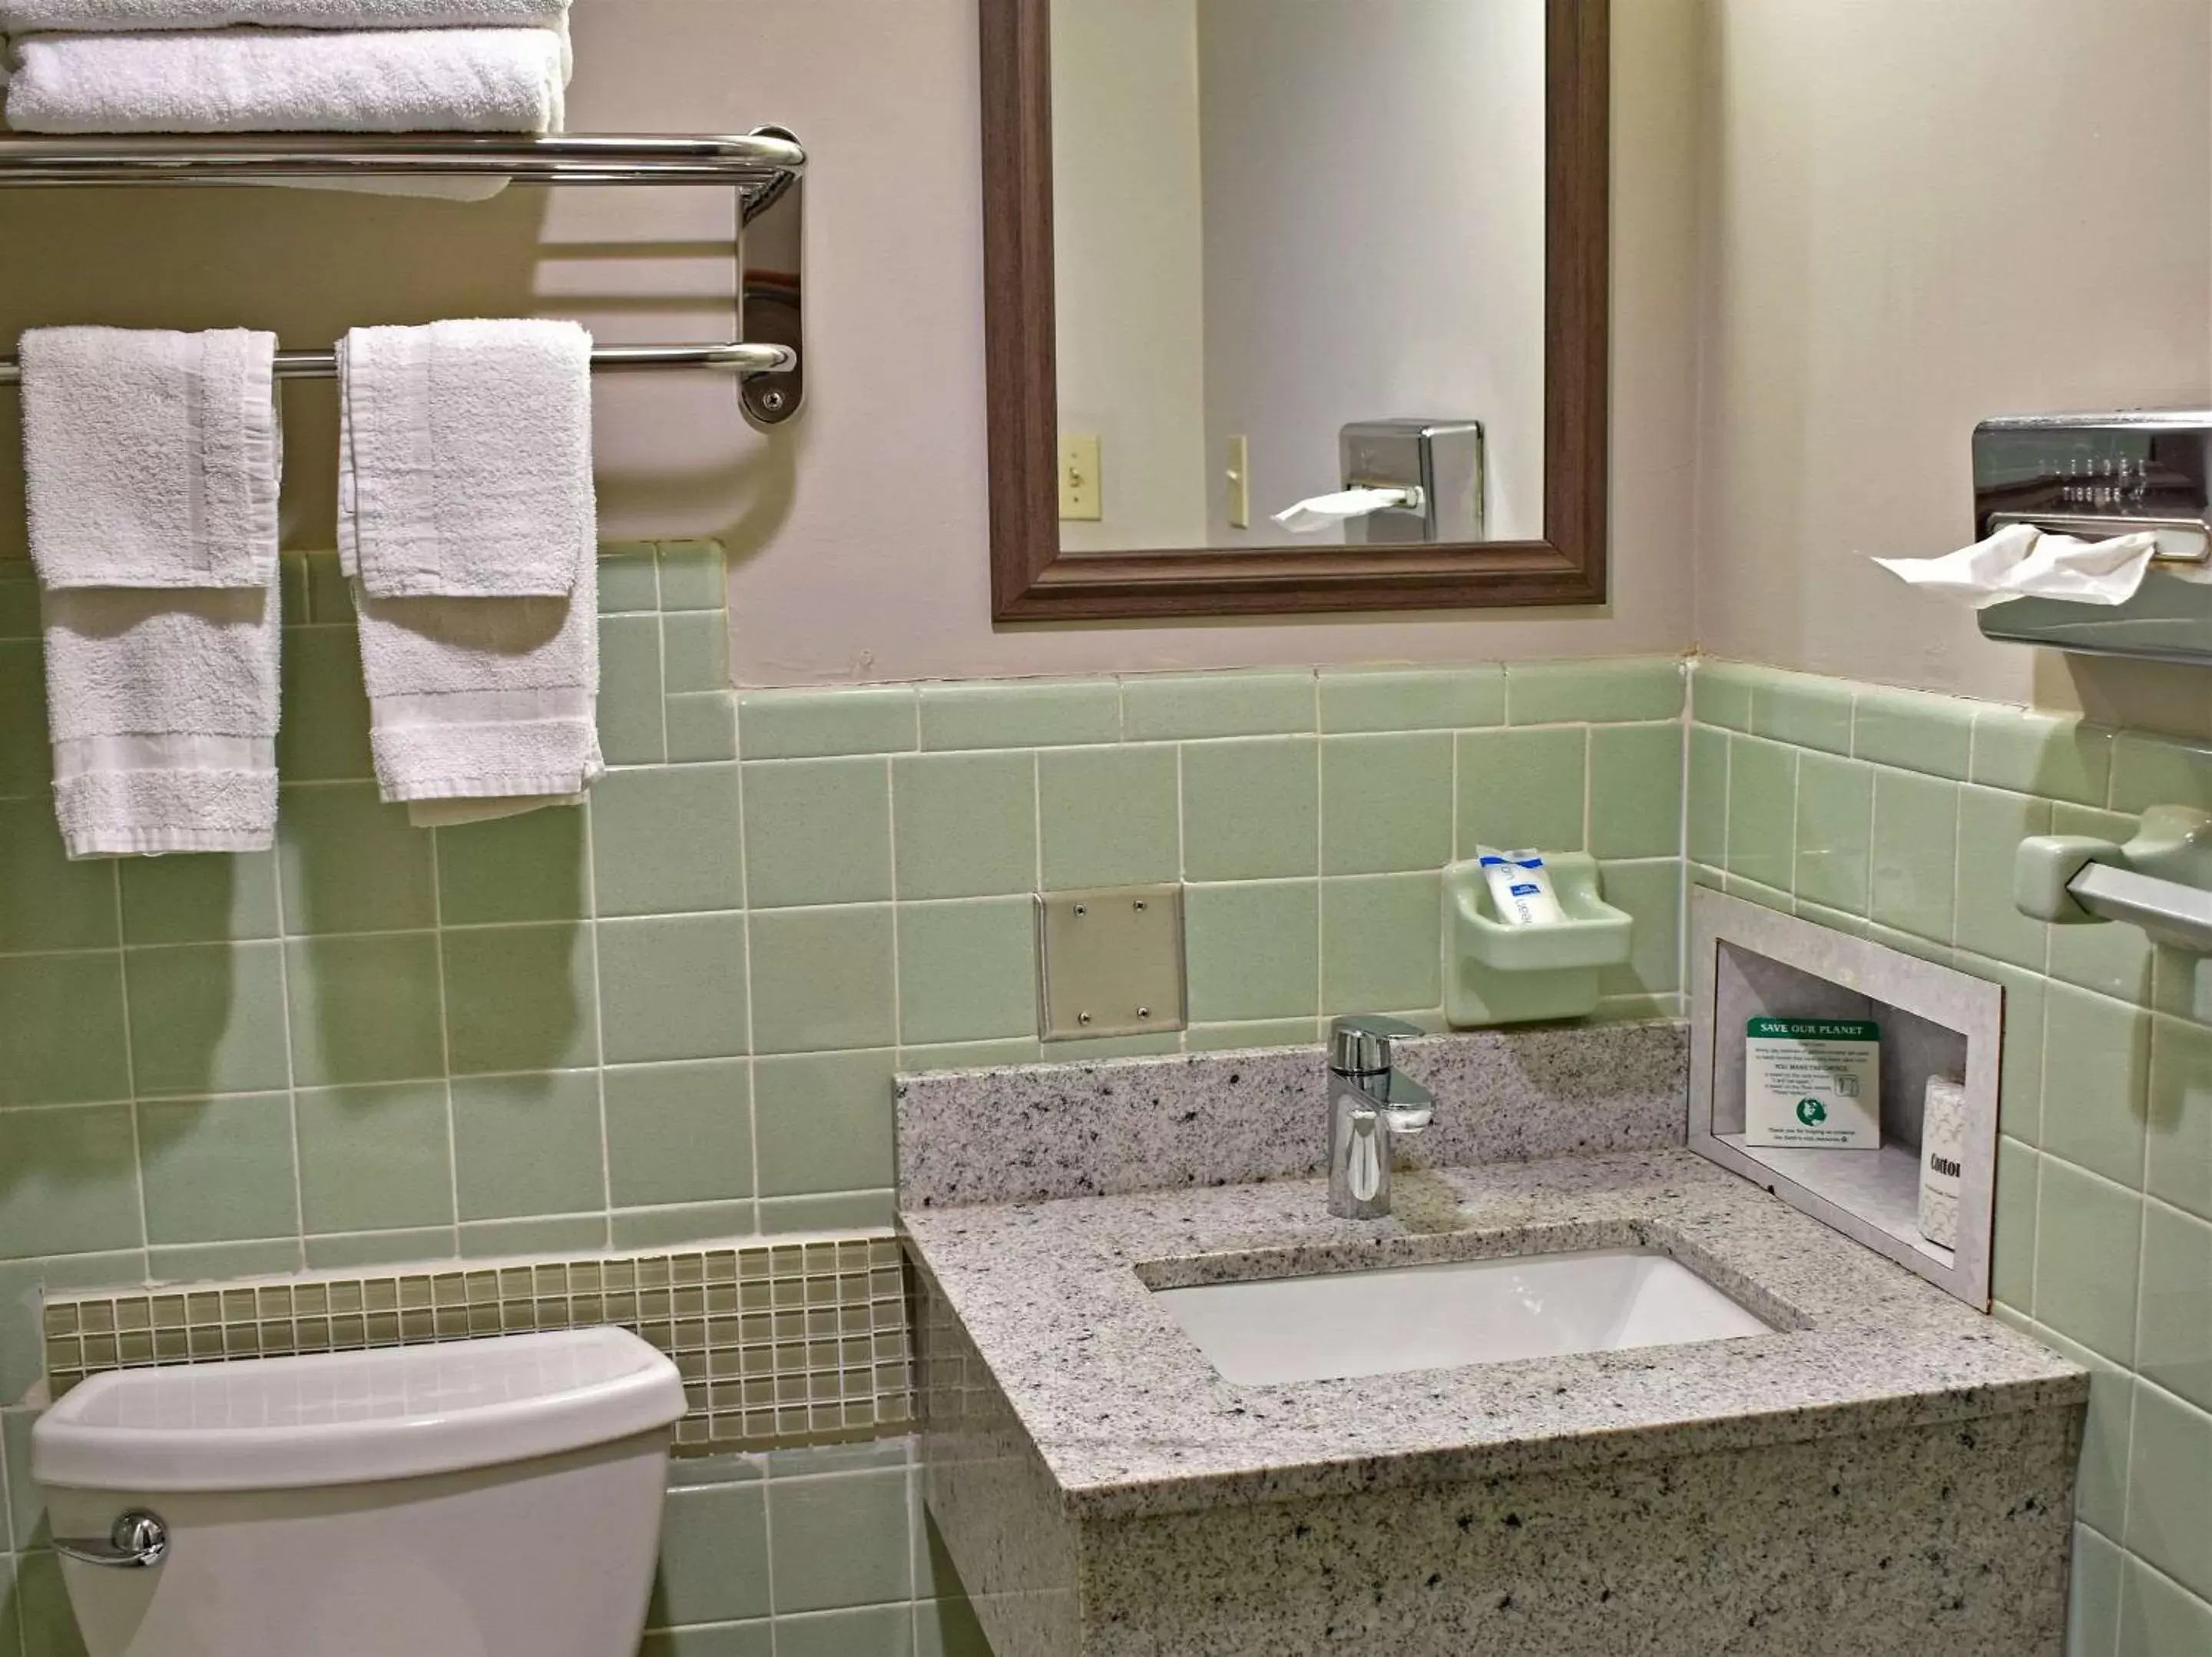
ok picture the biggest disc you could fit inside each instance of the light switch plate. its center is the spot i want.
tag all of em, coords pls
(1239, 479)
(1111, 962)
(1081, 491)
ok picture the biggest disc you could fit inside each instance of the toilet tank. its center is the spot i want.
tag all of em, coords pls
(486, 1498)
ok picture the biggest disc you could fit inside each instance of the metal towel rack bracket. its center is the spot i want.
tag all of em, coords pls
(2160, 881)
(766, 166)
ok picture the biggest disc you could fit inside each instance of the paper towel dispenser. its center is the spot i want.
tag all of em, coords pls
(2095, 475)
(1438, 462)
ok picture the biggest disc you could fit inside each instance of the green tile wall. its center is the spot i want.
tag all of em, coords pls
(673, 1016)
(1895, 815)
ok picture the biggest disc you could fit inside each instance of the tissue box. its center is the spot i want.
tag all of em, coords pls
(1942, 1159)
(1813, 1084)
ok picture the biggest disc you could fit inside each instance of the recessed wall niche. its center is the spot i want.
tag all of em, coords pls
(1749, 962)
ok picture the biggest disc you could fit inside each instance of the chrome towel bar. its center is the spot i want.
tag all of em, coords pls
(759, 162)
(765, 167)
(734, 358)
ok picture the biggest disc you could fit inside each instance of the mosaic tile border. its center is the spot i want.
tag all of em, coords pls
(779, 1343)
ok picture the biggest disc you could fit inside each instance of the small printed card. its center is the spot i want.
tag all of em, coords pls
(1813, 1084)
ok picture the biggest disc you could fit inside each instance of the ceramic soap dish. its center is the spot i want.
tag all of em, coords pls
(1496, 974)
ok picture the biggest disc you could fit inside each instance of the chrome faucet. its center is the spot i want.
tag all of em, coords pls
(1369, 1105)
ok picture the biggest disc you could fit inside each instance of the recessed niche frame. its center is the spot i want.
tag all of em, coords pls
(1747, 961)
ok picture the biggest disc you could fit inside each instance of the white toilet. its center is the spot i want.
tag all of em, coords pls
(482, 1498)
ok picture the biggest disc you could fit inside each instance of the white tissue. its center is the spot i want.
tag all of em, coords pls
(2021, 561)
(1325, 511)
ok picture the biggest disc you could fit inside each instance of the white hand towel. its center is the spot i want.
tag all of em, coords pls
(151, 459)
(164, 708)
(484, 700)
(72, 17)
(464, 464)
(454, 80)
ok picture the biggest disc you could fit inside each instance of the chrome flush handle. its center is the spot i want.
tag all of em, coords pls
(139, 1541)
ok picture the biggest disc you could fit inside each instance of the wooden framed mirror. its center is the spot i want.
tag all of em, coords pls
(1258, 183)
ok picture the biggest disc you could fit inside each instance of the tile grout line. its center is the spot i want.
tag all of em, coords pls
(291, 1061)
(1321, 871)
(890, 854)
(598, 1016)
(751, 1069)
(131, 1072)
(1182, 877)
(446, 1042)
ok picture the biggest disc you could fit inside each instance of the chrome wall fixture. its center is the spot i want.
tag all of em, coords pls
(766, 168)
(2161, 880)
(1440, 464)
(2096, 476)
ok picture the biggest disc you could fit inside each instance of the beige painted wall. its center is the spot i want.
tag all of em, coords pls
(860, 538)
(1916, 216)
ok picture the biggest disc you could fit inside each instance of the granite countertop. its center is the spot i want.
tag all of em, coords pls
(1130, 1419)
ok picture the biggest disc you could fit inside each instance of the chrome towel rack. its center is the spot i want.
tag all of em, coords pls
(766, 168)
(732, 358)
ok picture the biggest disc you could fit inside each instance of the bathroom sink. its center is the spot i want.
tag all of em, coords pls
(1279, 1330)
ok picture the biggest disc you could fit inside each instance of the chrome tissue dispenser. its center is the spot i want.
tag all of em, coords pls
(1441, 464)
(2097, 476)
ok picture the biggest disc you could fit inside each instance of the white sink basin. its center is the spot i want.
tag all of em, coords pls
(1443, 1317)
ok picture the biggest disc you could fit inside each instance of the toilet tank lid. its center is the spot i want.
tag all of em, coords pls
(355, 1418)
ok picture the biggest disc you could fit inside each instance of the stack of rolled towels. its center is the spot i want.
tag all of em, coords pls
(93, 66)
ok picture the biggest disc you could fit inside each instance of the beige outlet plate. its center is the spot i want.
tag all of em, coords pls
(1111, 962)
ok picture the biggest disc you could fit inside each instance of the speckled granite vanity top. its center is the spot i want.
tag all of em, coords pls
(1129, 1417)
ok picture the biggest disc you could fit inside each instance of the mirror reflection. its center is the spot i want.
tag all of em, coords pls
(1299, 252)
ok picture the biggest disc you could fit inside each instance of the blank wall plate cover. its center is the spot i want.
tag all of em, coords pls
(1109, 962)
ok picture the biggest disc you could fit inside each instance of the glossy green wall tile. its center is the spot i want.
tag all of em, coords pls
(1636, 790)
(1411, 699)
(1251, 809)
(1071, 713)
(1253, 948)
(1109, 816)
(1523, 788)
(674, 987)
(794, 725)
(817, 831)
(1386, 803)
(527, 1145)
(966, 971)
(1584, 691)
(1169, 707)
(966, 824)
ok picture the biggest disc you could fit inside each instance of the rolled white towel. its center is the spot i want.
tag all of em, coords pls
(252, 80)
(86, 16)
